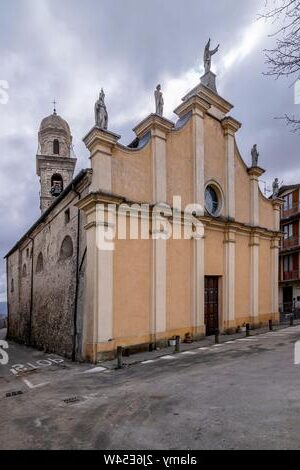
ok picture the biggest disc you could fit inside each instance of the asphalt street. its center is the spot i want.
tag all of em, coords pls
(242, 394)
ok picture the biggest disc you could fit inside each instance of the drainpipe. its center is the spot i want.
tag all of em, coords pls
(7, 303)
(77, 281)
(31, 290)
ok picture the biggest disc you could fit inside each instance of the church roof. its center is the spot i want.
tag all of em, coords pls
(54, 121)
(66, 191)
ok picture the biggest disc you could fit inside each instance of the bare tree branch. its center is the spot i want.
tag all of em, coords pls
(284, 59)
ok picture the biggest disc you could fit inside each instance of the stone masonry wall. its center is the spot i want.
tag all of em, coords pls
(53, 300)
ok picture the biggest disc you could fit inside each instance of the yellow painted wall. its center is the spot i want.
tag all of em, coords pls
(266, 213)
(214, 151)
(179, 284)
(180, 165)
(214, 253)
(242, 278)
(132, 284)
(132, 174)
(242, 188)
(265, 291)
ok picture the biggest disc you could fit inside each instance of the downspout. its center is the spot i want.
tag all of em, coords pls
(77, 281)
(7, 294)
(31, 291)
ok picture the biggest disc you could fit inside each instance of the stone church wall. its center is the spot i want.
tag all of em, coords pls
(46, 320)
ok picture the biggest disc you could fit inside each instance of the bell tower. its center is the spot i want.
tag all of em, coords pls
(55, 163)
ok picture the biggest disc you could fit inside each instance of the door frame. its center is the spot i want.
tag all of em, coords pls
(219, 303)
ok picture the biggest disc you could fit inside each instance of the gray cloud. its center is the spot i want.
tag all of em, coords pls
(70, 48)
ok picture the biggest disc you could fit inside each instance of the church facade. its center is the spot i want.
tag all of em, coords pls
(77, 286)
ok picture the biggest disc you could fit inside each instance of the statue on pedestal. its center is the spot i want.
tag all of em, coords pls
(208, 55)
(101, 115)
(254, 155)
(159, 101)
(275, 188)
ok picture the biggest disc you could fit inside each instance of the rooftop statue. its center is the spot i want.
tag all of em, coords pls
(254, 155)
(101, 115)
(208, 55)
(159, 101)
(275, 188)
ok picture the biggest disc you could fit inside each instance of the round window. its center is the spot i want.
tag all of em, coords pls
(211, 201)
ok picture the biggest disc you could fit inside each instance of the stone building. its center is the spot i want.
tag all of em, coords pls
(68, 294)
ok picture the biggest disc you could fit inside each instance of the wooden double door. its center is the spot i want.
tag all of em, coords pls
(211, 304)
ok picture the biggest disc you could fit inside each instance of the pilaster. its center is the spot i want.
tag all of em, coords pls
(255, 173)
(198, 285)
(230, 126)
(158, 127)
(274, 277)
(229, 279)
(100, 144)
(254, 276)
(277, 205)
(98, 314)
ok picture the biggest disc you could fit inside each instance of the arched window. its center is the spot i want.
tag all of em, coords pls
(57, 184)
(12, 286)
(40, 263)
(24, 270)
(55, 147)
(66, 249)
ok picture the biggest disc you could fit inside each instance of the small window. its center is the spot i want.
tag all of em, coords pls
(56, 147)
(12, 286)
(288, 264)
(67, 216)
(40, 263)
(66, 250)
(288, 231)
(24, 270)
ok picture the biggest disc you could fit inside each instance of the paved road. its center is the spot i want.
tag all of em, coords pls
(243, 394)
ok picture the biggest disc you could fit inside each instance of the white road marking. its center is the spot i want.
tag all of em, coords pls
(94, 370)
(203, 349)
(247, 339)
(30, 385)
(190, 353)
(41, 364)
(168, 358)
(148, 362)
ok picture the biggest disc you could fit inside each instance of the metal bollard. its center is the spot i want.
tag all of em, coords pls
(291, 320)
(247, 329)
(177, 346)
(271, 325)
(217, 337)
(120, 357)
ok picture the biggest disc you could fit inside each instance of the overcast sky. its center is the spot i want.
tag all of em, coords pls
(69, 49)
